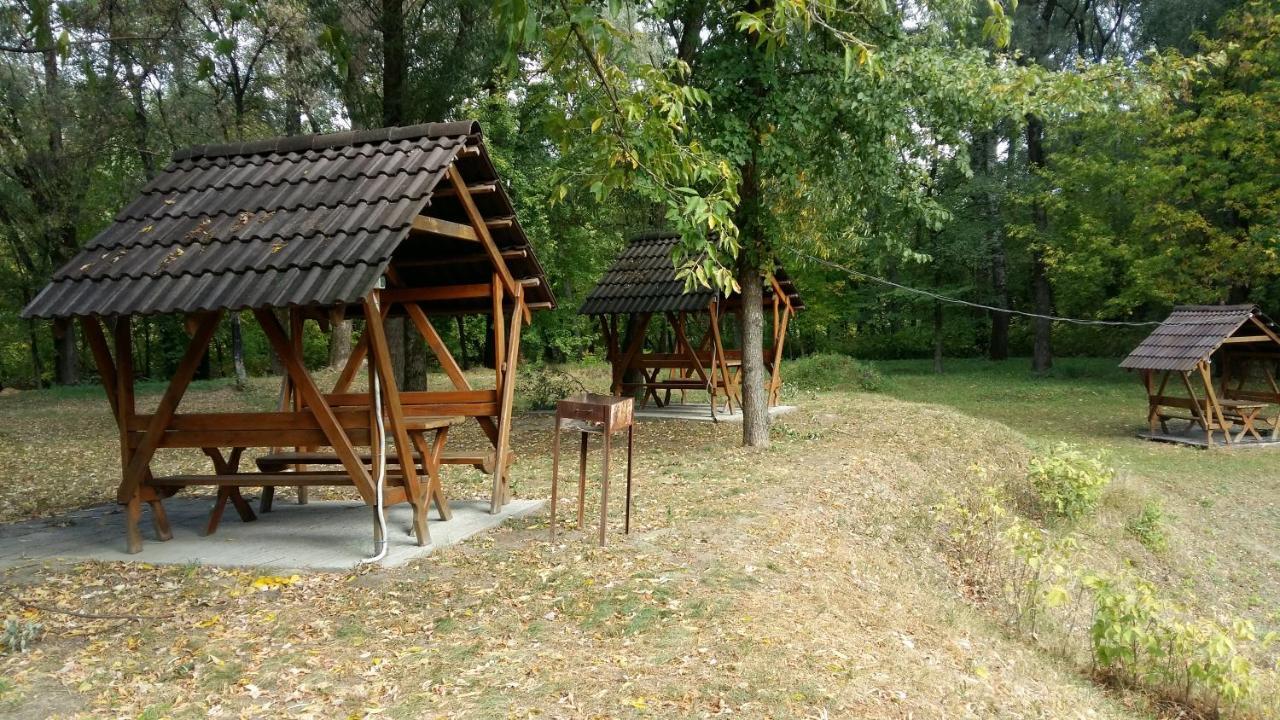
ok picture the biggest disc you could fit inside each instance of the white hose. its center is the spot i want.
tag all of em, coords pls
(380, 472)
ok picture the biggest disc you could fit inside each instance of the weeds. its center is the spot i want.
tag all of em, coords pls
(1069, 482)
(18, 634)
(1148, 527)
(1132, 635)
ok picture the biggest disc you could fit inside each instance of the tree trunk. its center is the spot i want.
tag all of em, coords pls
(755, 401)
(393, 62)
(998, 343)
(462, 341)
(339, 344)
(37, 365)
(937, 338)
(395, 347)
(67, 367)
(415, 358)
(237, 352)
(1042, 352)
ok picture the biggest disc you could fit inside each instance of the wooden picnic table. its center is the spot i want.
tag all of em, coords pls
(1245, 414)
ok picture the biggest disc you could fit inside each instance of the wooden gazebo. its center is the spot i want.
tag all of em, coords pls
(408, 221)
(1225, 359)
(686, 348)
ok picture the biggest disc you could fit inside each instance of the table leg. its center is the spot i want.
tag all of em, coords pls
(604, 489)
(631, 446)
(555, 475)
(582, 479)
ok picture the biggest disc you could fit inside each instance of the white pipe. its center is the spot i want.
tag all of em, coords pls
(380, 472)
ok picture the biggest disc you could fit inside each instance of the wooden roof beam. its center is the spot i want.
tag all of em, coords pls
(435, 226)
(461, 259)
(478, 224)
(477, 189)
(1248, 339)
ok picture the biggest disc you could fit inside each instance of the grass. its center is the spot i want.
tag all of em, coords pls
(803, 581)
(1218, 510)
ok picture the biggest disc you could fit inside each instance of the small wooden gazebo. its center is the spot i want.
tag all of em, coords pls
(1225, 358)
(409, 221)
(686, 348)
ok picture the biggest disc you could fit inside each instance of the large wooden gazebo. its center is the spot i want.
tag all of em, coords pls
(408, 221)
(1214, 366)
(662, 339)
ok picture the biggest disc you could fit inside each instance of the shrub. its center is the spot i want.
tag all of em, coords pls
(539, 387)
(832, 372)
(1143, 639)
(1148, 527)
(19, 634)
(1069, 481)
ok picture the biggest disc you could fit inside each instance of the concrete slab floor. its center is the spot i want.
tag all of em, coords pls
(322, 535)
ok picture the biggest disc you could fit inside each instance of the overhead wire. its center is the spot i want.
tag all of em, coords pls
(978, 306)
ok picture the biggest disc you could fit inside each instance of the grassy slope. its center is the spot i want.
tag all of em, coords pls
(1223, 508)
(801, 582)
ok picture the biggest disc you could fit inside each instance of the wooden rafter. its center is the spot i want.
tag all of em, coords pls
(482, 230)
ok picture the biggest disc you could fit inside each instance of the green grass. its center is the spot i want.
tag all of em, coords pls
(1087, 401)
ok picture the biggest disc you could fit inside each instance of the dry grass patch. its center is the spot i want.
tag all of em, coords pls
(796, 582)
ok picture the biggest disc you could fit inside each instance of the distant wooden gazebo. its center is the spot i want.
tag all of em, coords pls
(1225, 358)
(408, 221)
(686, 348)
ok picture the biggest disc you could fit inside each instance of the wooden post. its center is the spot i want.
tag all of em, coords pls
(380, 355)
(140, 460)
(320, 410)
(508, 392)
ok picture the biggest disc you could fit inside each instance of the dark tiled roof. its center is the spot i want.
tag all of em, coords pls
(306, 220)
(1190, 334)
(643, 280)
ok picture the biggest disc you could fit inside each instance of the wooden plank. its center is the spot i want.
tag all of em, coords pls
(508, 397)
(417, 397)
(380, 354)
(254, 421)
(140, 459)
(1247, 339)
(337, 437)
(478, 223)
(91, 328)
(475, 291)
(775, 382)
(436, 226)
(477, 189)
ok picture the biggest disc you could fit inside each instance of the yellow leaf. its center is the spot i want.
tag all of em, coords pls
(209, 622)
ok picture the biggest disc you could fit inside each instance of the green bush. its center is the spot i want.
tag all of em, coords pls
(1069, 481)
(1148, 527)
(1144, 639)
(832, 372)
(539, 387)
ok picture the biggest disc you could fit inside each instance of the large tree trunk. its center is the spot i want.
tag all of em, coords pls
(37, 365)
(984, 165)
(339, 343)
(237, 352)
(393, 62)
(395, 347)
(753, 253)
(937, 337)
(755, 401)
(415, 359)
(1042, 351)
(67, 369)
(391, 23)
